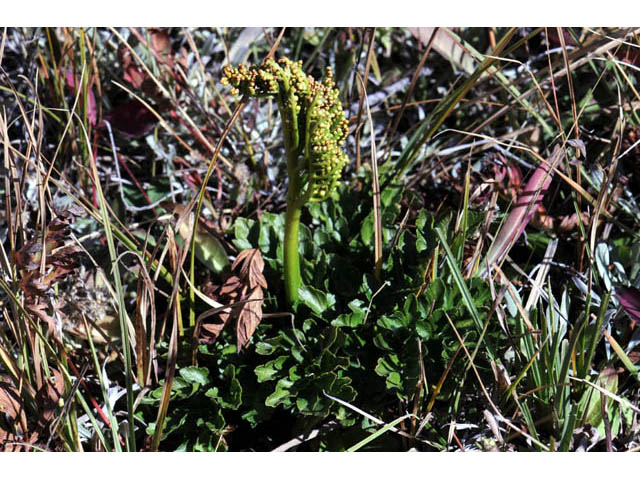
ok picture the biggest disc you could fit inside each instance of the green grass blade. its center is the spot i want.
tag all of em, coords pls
(462, 286)
(376, 434)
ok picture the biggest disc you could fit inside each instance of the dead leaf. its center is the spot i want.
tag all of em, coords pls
(19, 439)
(10, 442)
(447, 46)
(252, 265)
(243, 293)
(231, 287)
(249, 316)
(11, 405)
(39, 310)
(210, 331)
(48, 396)
(60, 261)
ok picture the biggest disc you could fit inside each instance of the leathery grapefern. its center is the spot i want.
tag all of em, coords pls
(314, 128)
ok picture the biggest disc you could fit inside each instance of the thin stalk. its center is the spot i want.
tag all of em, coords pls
(196, 218)
(292, 278)
(124, 331)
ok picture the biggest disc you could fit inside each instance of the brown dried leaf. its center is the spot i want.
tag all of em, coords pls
(244, 293)
(251, 266)
(39, 309)
(210, 331)
(232, 288)
(10, 442)
(49, 394)
(249, 316)
(11, 405)
(58, 262)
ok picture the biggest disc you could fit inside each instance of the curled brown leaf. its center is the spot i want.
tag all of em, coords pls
(60, 260)
(11, 405)
(249, 316)
(243, 292)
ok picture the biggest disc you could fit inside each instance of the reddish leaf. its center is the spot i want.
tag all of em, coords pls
(629, 298)
(138, 77)
(132, 119)
(131, 72)
(161, 44)
(92, 109)
(629, 54)
(554, 38)
(524, 209)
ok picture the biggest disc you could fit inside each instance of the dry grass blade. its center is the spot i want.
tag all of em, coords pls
(447, 46)
(414, 80)
(377, 221)
(574, 111)
(168, 380)
(276, 44)
(172, 357)
(376, 420)
(363, 84)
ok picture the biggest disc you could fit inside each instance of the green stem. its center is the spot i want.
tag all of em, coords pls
(292, 279)
(295, 201)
